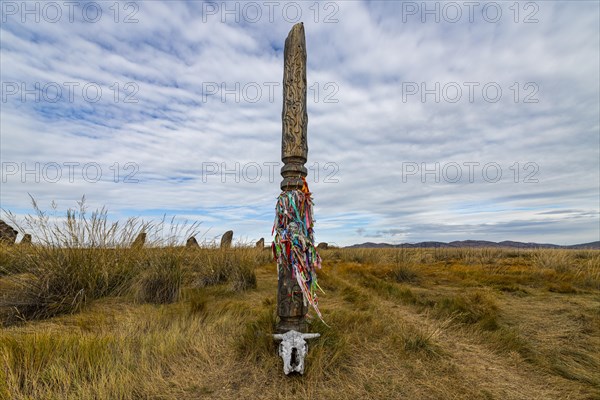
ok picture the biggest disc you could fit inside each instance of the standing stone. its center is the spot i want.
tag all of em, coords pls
(26, 239)
(260, 244)
(139, 241)
(8, 235)
(323, 246)
(192, 242)
(226, 239)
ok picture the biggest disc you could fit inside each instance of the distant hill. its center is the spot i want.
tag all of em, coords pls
(478, 243)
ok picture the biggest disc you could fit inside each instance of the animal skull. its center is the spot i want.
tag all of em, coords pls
(293, 348)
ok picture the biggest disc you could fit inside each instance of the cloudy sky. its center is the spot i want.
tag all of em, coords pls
(427, 121)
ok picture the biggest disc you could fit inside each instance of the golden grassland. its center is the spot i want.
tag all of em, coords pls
(180, 323)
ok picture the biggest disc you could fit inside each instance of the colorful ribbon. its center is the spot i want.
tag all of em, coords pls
(293, 244)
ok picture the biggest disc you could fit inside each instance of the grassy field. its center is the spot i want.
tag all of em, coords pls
(177, 323)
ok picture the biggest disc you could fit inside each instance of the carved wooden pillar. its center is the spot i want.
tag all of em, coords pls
(291, 306)
(294, 148)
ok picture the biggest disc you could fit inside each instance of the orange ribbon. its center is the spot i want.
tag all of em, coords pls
(305, 186)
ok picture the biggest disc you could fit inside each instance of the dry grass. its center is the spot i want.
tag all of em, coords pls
(175, 323)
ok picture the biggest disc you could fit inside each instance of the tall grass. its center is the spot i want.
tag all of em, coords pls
(472, 308)
(79, 258)
(55, 281)
(235, 265)
(400, 322)
(558, 270)
(114, 361)
(160, 279)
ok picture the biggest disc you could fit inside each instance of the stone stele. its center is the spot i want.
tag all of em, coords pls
(8, 235)
(226, 239)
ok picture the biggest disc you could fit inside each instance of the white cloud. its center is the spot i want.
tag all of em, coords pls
(174, 130)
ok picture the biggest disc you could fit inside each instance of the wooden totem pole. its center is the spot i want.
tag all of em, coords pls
(293, 246)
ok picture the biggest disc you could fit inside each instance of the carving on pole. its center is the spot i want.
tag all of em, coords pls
(293, 244)
(294, 147)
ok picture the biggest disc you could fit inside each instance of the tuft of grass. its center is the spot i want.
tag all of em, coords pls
(356, 297)
(577, 365)
(197, 302)
(218, 266)
(587, 269)
(331, 352)
(242, 279)
(514, 289)
(419, 341)
(360, 256)
(505, 340)
(160, 280)
(389, 290)
(489, 256)
(405, 274)
(256, 342)
(473, 308)
(561, 287)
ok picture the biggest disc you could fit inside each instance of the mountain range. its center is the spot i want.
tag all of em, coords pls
(479, 243)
